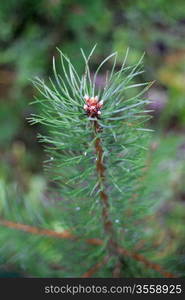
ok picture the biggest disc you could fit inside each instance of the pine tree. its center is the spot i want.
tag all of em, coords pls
(97, 147)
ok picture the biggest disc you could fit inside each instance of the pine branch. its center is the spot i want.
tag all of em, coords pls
(93, 241)
(35, 230)
(97, 146)
(147, 263)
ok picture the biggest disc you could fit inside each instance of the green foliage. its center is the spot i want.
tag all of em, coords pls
(34, 29)
(72, 156)
(71, 151)
(30, 31)
(41, 256)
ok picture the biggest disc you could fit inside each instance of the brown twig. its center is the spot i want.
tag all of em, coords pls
(146, 262)
(112, 244)
(35, 230)
(94, 241)
(94, 269)
(108, 226)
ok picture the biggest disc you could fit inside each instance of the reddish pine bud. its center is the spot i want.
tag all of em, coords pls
(92, 106)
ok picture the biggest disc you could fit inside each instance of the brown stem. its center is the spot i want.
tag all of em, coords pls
(93, 241)
(35, 230)
(108, 226)
(146, 262)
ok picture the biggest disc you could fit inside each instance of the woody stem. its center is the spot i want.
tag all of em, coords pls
(107, 223)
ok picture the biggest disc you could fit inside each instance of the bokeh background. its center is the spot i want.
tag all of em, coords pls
(30, 31)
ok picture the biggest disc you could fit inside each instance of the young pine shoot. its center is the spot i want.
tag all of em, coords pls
(97, 145)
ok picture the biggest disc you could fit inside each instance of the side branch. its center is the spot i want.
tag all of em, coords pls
(93, 241)
(35, 230)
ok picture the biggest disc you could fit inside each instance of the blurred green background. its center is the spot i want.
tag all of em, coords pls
(30, 31)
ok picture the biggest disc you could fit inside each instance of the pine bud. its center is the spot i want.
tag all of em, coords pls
(92, 106)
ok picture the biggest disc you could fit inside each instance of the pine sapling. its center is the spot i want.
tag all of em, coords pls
(97, 148)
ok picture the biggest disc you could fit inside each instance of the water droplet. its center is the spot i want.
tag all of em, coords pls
(78, 208)
(116, 221)
(85, 153)
(51, 158)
